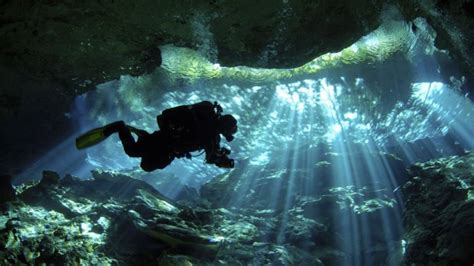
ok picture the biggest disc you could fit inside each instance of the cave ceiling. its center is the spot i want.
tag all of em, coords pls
(82, 44)
(88, 42)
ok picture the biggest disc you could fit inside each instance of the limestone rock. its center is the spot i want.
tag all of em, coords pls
(99, 42)
(116, 219)
(50, 178)
(439, 216)
(7, 193)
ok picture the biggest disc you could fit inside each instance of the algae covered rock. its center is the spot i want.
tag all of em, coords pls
(73, 221)
(50, 178)
(34, 235)
(218, 190)
(439, 215)
(115, 219)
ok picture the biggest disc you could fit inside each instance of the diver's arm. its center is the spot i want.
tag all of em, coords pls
(218, 155)
(224, 161)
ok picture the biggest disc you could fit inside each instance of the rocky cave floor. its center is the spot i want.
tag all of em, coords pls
(116, 219)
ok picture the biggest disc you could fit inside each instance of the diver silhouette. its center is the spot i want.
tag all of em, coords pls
(183, 129)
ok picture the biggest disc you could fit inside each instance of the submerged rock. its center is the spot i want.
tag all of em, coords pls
(115, 219)
(50, 178)
(218, 191)
(34, 235)
(439, 215)
(7, 192)
(111, 218)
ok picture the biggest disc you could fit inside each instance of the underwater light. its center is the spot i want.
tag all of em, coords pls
(354, 48)
(350, 115)
(371, 41)
(427, 90)
(404, 246)
(261, 159)
(333, 132)
(283, 93)
(327, 95)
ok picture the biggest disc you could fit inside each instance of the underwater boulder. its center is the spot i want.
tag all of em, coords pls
(218, 190)
(187, 195)
(439, 214)
(7, 192)
(34, 236)
(330, 256)
(303, 232)
(47, 194)
(178, 237)
(261, 253)
(119, 216)
(50, 178)
(197, 215)
(72, 196)
(176, 260)
(121, 186)
(138, 225)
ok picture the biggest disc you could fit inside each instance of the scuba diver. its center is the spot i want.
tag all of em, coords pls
(183, 129)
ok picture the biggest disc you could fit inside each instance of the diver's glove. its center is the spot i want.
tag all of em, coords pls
(182, 154)
(220, 158)
(223, 151)
(225, 162)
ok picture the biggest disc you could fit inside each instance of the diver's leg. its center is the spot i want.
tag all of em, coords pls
(156, 153)
(114, 127)
(150, 163)
(130, 146)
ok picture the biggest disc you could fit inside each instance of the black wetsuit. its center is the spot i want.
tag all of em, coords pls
(183, 129)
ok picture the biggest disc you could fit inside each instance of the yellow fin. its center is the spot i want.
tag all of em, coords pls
(90, 138)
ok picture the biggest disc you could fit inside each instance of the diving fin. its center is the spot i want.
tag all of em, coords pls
(91, 138)
(96, 135)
